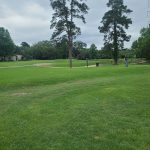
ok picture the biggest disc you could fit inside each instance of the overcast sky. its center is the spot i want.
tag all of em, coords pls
(29, 20)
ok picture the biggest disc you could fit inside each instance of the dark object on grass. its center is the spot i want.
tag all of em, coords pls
(87, 62)
(97, 64)
(126, 61)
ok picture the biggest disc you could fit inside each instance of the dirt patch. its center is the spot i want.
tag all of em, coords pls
(42, 65)
(20, 94)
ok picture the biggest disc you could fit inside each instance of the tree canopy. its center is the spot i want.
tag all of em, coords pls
(25, 44)
(6, 43)
(142, 44)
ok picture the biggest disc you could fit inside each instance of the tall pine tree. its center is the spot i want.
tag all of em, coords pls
(6, 43)
(65, 12)
(115, 22)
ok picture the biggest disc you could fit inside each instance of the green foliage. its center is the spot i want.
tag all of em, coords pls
(106, 51)
(142, 45)
(6, 44)
(83, 54)
(115, 22)
(78, 48)
(146, 48)
(17, 50)
(25, 44)
(79, 45)
(61, 47)
(27, 53)
(93, 51)
(43, 50)
(127, 53)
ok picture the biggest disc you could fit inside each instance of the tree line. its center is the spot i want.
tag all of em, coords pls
(55, 49)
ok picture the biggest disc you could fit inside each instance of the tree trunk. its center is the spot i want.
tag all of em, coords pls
(70, 54)
(70, 36)
(115, 53)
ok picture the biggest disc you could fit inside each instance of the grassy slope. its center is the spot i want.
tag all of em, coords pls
(83, 108)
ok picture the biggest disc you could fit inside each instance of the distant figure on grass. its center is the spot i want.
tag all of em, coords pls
(126, 61)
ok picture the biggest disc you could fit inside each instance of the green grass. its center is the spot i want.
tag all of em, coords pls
(105, 108)
(52, 63)
(65, 63)
(61, 62)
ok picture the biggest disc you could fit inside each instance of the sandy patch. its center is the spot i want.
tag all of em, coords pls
(42, 65)
(20, 94)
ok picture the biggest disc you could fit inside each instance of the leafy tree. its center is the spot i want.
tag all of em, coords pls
(63, 20)
(26, 51)
(27, 54)
(142, 45)
(25, 44)
(115, 22)
(93, 51)
(83, 54)
(61, 47)
(106, 51)
(136, 46)
(129, 53)
(78, 47)
(43, 50)
(6, 43)
(93, 47)
(17, 50)
(146, 48)
(145, 43)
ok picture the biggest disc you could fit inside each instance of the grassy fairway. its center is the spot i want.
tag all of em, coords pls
(105, 108)
(53, 63)
(59, 63)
